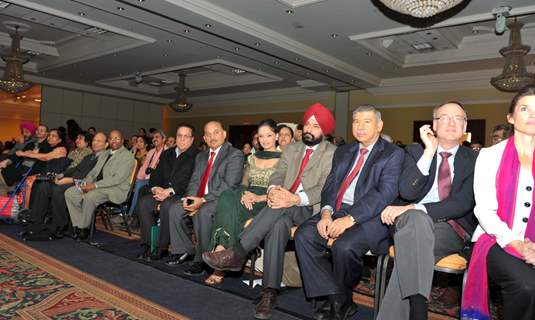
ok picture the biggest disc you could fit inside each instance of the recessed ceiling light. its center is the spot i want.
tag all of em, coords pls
(236, 49)
(140, 0)
(369, 53)
(327, 70)
(334, 35)
(238, 71)
(218, 57)
(81, 14)
(169, 40)
(165, 54)
(257, 44)
(289, 11)
(207, 25)
(120, 8)
(277, 62)
(187, 30)
(296, 59)
(422, 46)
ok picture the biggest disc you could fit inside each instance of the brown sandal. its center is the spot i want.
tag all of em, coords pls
(215, 278)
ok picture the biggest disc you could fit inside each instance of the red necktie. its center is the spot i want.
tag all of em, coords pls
(304, 162)
(350, 178)
(444, 189)
(206, 175)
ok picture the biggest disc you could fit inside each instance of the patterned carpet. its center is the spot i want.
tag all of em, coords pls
(36, 286)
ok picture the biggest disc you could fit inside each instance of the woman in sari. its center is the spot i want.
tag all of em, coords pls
(503, 250)
(236, 206)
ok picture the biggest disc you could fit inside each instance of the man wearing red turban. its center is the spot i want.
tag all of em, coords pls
(294, 194)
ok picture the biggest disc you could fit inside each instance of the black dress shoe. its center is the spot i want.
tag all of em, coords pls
(82, 235)
(323, 312)
(195, 269)
(176, 259)
(74, 233)
(342, 310)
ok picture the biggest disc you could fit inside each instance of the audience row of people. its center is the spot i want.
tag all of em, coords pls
(346, 200)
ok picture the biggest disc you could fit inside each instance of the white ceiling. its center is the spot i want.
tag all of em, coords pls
(309, 45)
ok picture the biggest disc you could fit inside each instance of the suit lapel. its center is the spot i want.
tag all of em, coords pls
(375, 154)
(315, 157)
(458, 168)
(347, 161)
(219, 158)
(295, 162)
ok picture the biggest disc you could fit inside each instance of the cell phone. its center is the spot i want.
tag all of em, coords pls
(189, 202)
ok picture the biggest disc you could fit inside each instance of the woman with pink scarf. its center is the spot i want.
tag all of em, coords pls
(504, 250)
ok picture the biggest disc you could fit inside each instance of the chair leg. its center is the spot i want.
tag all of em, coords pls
(376, 291)
(252, 268)
(92, 227)
(125, 219)
(382, 283)
(107, 217)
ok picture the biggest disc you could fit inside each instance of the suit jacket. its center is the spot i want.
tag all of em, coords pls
(116, 175)
(226, 173)
(377, 187)
(313, 176)
(174, 172)
(83, 168)
(414, 186)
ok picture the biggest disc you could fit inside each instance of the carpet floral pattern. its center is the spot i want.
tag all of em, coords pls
(36, 286)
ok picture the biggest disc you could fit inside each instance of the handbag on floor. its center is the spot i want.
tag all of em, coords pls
(10, 206)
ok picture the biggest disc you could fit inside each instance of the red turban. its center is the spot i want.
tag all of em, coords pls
(323, 115)
(28, 126)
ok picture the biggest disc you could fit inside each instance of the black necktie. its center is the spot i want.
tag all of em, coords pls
(101, 173)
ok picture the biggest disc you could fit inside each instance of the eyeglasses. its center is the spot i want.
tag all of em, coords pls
(446, 119)
(115, 139)
(180, 137)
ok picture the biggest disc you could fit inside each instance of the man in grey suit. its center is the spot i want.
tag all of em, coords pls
(437, 187)
(109, 180)
(294, 193)
(217, 169)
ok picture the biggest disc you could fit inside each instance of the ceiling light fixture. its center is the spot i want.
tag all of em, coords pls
(120, 8)
(169, 40)
(277, 62)
(180, 104)
(514, 75)
(207, 25)
(13, 80)
(81, 14)
(420, 8)
(187, 30)
(236, 49)
(257, 44)
(334, 35)
(422, 46)
(289, 11)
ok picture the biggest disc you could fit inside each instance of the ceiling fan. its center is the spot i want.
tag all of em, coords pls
(180, 104)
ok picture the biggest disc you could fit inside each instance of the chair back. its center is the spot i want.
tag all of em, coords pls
(132, 181)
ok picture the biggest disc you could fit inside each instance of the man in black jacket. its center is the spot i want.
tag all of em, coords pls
(53, 193)
(167, 185)
(437, 183)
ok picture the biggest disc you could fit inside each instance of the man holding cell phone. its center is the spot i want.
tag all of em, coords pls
(217, 169)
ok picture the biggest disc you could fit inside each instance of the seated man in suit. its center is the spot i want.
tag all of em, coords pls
(53, 193)
(437, 183)
(109, 180)
(217, 169)
(363, 181)
(167, 186)
(294, 190)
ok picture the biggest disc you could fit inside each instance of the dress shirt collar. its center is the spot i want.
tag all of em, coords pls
(453, 150)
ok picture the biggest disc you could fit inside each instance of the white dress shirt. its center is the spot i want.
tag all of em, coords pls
(424, 164)
(487, 165)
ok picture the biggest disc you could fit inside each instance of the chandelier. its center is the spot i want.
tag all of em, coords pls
(420, 8)
(13, 80)
(514, 75)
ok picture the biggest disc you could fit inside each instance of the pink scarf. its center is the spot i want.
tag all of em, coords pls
(475, 304)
